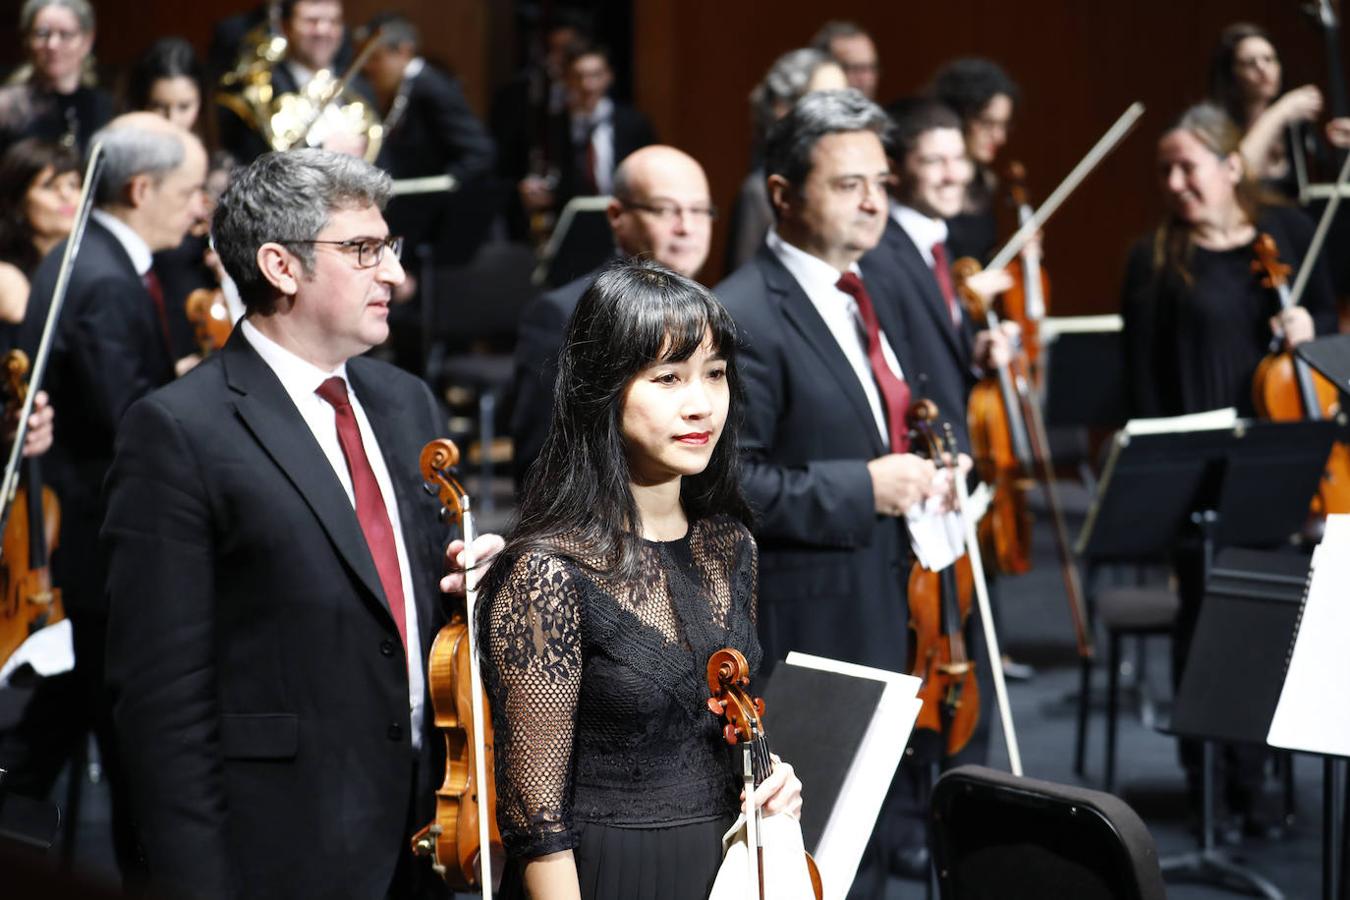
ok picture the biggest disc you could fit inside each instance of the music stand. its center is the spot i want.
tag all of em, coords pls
(581, 241)
(1252, 600)
(1331, 357)
(1084, 372)
(1244, 485)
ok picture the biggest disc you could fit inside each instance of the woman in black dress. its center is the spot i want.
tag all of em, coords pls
(630, 566)
(1197, 320)
(1197, 323)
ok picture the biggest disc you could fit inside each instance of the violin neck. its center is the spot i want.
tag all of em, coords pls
(1031, 270)
(1307, 391)
(37, 531)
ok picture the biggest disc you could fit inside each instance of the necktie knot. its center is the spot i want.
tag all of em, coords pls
(850, 284)
(940, 255)
(334, 390)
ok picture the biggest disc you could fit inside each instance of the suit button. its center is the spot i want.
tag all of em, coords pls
(395, 732)
(387, 647)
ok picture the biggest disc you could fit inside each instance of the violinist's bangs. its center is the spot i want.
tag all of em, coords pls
(681, 322)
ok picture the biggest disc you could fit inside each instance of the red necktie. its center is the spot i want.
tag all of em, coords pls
(370, 509)
(156, 291)
(894, 392)
(942, 271)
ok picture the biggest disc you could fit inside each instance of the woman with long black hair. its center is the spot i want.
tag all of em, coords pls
(631, 564)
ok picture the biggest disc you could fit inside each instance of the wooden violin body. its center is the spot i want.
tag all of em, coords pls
(1028, 300)
(210, 317)
(950, 693)
(466, 801)
(28, 602)
(1285, 389)
(1005, 531)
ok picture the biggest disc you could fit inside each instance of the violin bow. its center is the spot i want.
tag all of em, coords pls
(986, 611)
(1105, 144)
(1320, 235)
(10, 485)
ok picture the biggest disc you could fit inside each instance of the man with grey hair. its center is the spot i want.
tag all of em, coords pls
(110, 347)
(273, 563)
(827, 465)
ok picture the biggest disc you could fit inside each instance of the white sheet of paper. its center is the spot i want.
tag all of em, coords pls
(869, 776)
(49, 651)
(1312, 715)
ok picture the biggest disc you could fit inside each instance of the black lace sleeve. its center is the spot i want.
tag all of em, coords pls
(531, 640)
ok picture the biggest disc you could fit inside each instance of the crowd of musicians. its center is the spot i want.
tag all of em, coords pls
(252, 571)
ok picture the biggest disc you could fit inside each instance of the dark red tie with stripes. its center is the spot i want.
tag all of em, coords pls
(370, 509)
(894, 391)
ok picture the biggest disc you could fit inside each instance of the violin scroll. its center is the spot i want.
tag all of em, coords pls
(1268, 262)
(438, 458)
(729, 682)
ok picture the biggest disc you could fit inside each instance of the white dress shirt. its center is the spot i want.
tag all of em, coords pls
(818, 280)
(301, 379)
(133, 243)
(922, 230)
(599, 125)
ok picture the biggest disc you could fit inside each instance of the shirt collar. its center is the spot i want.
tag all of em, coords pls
(812, 272)
(603, 112)
(414, 68)
(923, 230)
(299, 377)
(135, 246)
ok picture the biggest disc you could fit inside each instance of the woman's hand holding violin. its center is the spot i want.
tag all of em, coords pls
(781, 792)
(485, 546)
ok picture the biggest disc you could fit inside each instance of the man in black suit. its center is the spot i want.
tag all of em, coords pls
(661, 208)
(588, 139)
(826, 366)
(315, 36)
(951, 349)
(273, 563)
(110, 347)
(428, 126)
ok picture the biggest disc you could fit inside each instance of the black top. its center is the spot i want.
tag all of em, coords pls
(598, 691)
(29, 111)
(1195, 347)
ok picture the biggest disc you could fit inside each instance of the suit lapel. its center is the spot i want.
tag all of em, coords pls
(802, 316)
(267, 411)
(920, 275)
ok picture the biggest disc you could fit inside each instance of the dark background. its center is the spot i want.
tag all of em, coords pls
(693, 62)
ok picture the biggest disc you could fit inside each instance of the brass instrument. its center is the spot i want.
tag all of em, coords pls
(325, 106)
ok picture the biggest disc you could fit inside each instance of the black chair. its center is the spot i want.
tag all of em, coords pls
(995, 835)
(472, 322)
(1137, 612)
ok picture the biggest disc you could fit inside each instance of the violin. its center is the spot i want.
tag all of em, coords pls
(1020, 436)
(1027, 301)
(939, 607)
(210, 317)
(466, 801)
(923, 418)
(787, 876)
(28, 602)
(1000, 443)
(1285, 388)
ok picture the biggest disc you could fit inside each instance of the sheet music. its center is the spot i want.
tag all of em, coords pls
(855, 812)
(1213, 420)
(50, 651)
(1312, 715)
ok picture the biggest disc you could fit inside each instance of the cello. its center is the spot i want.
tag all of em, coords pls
(28, 602)
(1285, 388)
(466, 801)
(787, 874)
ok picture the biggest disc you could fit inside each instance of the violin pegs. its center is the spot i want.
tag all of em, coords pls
(729, 732)
(716, 707)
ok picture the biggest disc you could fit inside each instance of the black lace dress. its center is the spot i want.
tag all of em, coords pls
(604, 744)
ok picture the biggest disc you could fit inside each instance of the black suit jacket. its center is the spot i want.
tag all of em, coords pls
(108, 350)
(939, 366)
(631, 132)
(437, 134)
(261, 695)
(832, 572)
(539, 339)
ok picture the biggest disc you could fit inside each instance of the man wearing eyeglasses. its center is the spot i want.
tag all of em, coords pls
(273, 566)
(661, 209)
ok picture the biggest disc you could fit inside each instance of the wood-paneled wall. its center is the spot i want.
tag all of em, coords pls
(1079, 64)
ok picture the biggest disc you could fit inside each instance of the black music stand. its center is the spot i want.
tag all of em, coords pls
(581, 241)
(25, 822)
(1331, 357)
(1252, 600)
(1244, 485)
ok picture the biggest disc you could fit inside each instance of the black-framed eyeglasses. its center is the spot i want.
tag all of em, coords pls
(669, 212)
(369, 250)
